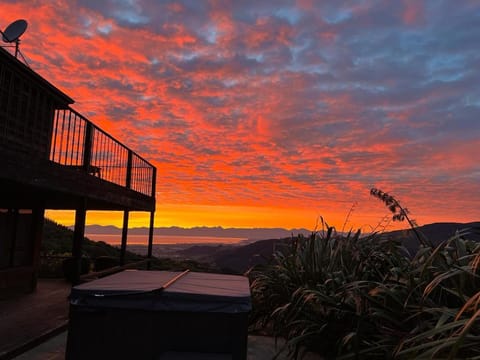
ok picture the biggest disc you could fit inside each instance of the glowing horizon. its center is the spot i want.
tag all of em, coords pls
(272, 114)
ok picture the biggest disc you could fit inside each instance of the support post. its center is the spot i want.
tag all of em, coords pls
(38, 218)
(150, 238)
(13, 225)
(123, 247)
(128, 180)
(152, 217)
(154, 184)
(78, 235)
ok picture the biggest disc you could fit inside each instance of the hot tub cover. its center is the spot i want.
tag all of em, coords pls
(194, 292)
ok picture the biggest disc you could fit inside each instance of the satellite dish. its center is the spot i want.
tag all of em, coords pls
(12, 34)
(13, 31)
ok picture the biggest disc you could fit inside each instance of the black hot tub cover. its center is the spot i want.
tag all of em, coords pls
(194, 292)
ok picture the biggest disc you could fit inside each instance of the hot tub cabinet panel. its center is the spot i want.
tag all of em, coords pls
(130, 316)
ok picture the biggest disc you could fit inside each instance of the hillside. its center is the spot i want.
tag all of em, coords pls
(240, 259)
(57, 241)
(436, 233)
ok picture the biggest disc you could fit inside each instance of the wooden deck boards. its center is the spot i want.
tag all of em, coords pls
(33, 316)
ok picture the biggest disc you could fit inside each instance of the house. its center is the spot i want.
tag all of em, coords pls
(52, 157)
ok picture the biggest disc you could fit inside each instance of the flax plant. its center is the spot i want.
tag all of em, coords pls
(363, 297)
(315, 288)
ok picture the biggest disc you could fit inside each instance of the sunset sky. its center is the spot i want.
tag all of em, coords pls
(273, 113)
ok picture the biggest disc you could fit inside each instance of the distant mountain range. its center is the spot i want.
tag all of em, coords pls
(435, 231)
(250, 234)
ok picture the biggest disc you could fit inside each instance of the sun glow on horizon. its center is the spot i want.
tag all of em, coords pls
(190, 216)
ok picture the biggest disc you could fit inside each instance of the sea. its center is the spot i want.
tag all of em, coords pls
(135, 239)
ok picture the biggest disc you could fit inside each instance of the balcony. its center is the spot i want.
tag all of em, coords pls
(54, 155)
(80, 145)
(83, 149)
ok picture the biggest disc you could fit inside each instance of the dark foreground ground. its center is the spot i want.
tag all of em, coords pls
(259, 348)
(33, 327)
(27, 320)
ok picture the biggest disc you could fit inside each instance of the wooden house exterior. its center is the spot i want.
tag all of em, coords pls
(51, 157)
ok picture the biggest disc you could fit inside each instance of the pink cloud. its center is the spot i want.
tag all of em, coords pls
(413, 13)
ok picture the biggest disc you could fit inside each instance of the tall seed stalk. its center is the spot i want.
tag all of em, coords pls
(399, 213)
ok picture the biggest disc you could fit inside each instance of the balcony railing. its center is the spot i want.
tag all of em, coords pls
(81, 145)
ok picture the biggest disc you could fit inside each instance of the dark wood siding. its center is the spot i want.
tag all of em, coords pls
(26, 114)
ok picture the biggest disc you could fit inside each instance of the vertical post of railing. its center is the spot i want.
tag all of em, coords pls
(69, 135)
(154, 182)
(87, 149)
(62, 136)
(128, 180)
(53, 140)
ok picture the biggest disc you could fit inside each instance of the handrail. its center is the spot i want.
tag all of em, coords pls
(81, 145)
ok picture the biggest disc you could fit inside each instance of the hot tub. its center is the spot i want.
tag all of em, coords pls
(144, 314)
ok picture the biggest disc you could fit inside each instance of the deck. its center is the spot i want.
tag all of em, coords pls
(29, 319)
(259, 348)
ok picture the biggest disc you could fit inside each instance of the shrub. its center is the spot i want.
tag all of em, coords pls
(353, 296)
(69, 264)
(105, 262)
(311, 293)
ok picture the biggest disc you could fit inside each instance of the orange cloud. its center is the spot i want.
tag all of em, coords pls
(271, 115)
